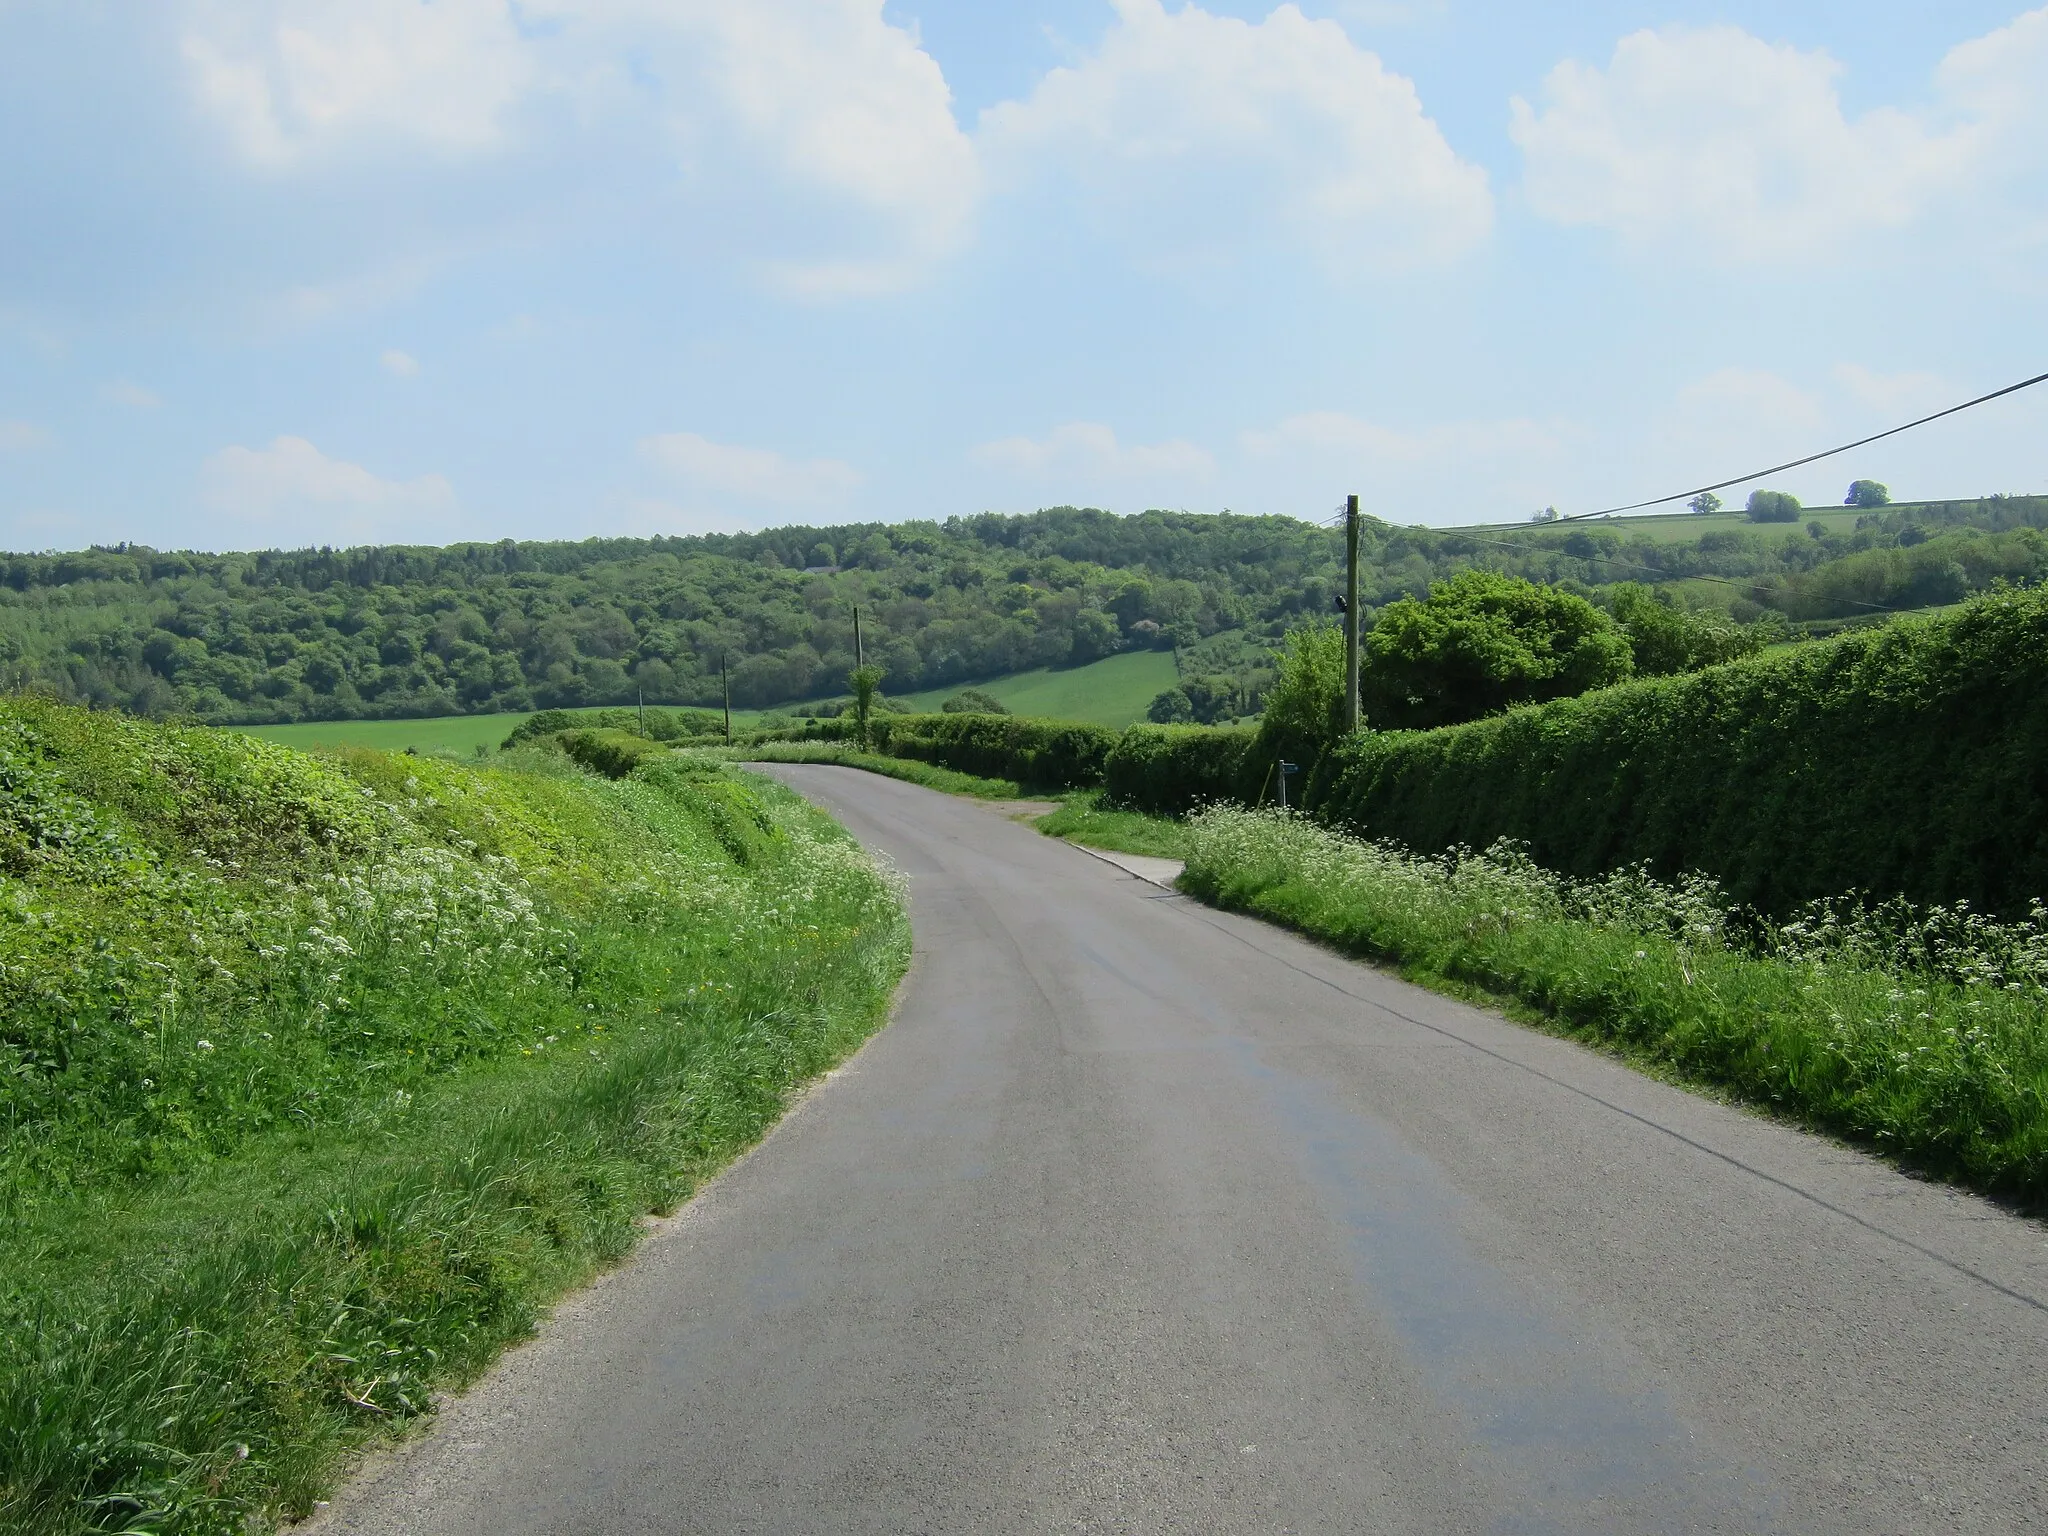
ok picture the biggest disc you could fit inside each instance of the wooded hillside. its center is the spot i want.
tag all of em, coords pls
(385, 632)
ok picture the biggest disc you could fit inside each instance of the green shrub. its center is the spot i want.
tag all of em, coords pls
(973, 701)
(613, 753)
(1667, 639)
(535, 726)
(655, 724)
(1170, 770)
(1480, 643)
(1773, 507)
(1171, 706)
(1304, 712)
(1911, 759)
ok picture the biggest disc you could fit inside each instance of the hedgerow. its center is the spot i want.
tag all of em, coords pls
(1908, 760)
(1041, 754)
(1169, 770)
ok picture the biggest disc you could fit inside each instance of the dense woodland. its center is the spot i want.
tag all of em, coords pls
(475, 628)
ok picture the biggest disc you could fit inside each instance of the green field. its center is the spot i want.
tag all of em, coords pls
(1113, 691)
(460, 734)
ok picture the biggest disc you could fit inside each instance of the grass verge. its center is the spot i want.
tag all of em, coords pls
(1081, 819)
(325, 1076)
(1922, 1035)
(908, 769)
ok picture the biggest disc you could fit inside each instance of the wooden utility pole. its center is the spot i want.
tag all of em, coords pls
(859, 660)
(643, 711)
(1350, 614)
(725, 688)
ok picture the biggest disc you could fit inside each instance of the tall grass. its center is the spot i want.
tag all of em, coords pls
(1920, 1032)
(324, 1076)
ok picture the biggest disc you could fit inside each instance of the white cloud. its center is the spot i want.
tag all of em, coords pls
(1088, 448)
(755, 474)
(1370, 442)
(1712, 137)
(827, 130)
(1725, 423)
(1193, 134)
(23, 436)
(1745, 398)
(293, 483)
(839, 100)
(1997, 78)
(127, 392)
(290, 79)
(1904, 395)
(401, 364)
(1376, 13)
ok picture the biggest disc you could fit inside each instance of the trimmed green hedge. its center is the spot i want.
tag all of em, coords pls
(1170, 770)
(1045, 754)
(1911, 759)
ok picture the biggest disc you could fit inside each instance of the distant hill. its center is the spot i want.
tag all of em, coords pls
(401, 632)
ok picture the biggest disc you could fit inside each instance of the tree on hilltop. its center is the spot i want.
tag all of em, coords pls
(1773, 507)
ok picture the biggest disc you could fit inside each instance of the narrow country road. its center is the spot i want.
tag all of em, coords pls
(1145, 1218)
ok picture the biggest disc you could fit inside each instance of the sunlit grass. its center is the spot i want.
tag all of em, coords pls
(1081, 819)
(1114, 691)
(325, 1076)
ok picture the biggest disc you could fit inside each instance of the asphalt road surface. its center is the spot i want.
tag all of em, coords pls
(1144, 1218)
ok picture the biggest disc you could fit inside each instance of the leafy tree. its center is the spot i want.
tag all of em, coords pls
(1867, 493)
(972, 701)
(1706, 504)
(865, 682)
(1664, 638)
(1481, 643)
(1172, 707)
(1095, 636)
(1213, 699)
(1773, 507)
(1305, 706)
(1306, 703)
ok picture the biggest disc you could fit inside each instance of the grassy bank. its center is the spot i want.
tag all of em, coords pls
(1922, 1034)
(324, 1076)
(1082, 818)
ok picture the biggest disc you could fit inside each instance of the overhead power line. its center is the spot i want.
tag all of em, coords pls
(1826, 453)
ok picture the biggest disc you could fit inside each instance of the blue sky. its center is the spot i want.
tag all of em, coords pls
(281, 272)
